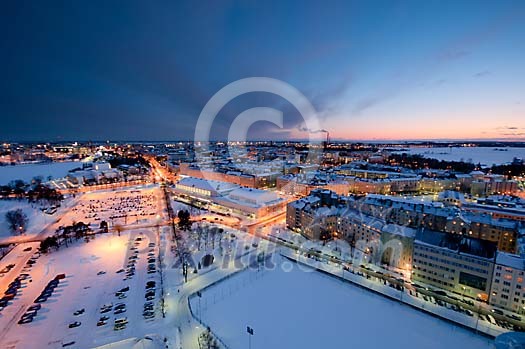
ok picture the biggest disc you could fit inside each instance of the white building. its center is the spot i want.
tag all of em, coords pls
(508, 288)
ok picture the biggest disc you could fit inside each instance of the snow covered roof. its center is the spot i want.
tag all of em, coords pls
(254, 196)
(510, 260)
(205, 184)
(399, 230)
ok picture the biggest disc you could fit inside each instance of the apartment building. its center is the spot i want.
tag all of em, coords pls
(508, 286)
(455, 263)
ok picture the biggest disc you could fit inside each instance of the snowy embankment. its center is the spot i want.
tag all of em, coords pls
(29, 171)
(292, 308)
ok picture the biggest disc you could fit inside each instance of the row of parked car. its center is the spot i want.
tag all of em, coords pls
(32, 311)
(49, 289)
(149, 307)
(12, 290)
(16, 284)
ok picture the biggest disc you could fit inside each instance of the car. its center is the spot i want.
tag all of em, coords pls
(74, 324)
(79, 312)
(105, 310)
(35, 307)
(150, 293)
(151, 260)
(152, 271)
(121, 320)
(138, 239)
(122, 296)
(497, 311)
(102, 272)
(120, 271)
(104, 318)
(25, 321)
(27, 249)
(30, 314)
(149, 315)
(101, 323)
(68, 344)
(46, 293)
(60, 276)
(41, 299)
(124, 289)
(119, 311)
(151, 244)
(119, 327)
(514, 317)
(150, 298)
(11, 291)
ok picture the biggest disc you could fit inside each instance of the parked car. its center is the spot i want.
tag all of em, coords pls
(74, 324)
(35, 307)
(25, 321)
(79, 312)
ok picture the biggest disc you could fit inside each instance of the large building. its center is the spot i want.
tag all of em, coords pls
(453, 262)
(228, 197)
(508, 286)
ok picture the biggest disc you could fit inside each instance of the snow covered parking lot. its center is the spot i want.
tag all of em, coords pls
(83, 288)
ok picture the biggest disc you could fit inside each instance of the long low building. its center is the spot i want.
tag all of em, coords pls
(229, 197)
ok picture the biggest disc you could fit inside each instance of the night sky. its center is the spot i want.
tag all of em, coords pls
(143, 70)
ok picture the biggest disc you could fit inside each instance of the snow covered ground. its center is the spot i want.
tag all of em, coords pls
(37, 218)
(27, 172)
(123, 206)
(82, 289)
(299, 309)
(485, 156)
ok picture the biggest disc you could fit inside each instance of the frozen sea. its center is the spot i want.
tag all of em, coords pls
(26, 172)
(485, 156)
(310, 310)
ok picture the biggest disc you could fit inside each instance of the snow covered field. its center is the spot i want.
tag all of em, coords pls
(27, 172)
(485, 156)
(298, 309)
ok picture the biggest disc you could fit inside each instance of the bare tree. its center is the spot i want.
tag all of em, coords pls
(17, 221)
